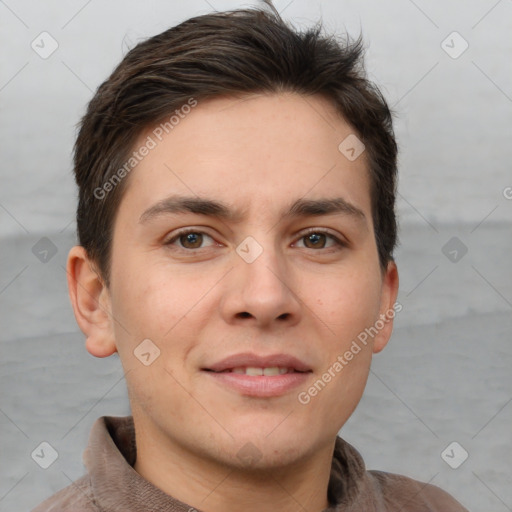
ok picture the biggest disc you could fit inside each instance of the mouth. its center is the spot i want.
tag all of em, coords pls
(254, 364)
(259, 376)
(254, 371)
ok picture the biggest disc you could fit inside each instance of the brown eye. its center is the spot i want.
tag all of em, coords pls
(191, 240)
(315, 240)
(320, 239)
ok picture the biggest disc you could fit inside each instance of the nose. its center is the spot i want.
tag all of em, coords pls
(261, 293)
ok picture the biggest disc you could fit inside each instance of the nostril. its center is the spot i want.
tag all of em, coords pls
(244, 314)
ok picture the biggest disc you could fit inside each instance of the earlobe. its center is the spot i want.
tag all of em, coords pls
(388, 308)
(91, 303)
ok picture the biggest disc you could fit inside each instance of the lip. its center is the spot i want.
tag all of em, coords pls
(251, 359)
(259, 385)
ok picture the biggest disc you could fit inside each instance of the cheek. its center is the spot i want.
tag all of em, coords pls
(348, 310)
(349, 303)
(151, 318)
(149, 295)
(159, 302)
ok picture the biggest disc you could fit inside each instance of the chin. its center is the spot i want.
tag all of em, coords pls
(267, 457)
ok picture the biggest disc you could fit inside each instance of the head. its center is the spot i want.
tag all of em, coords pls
(236, 196)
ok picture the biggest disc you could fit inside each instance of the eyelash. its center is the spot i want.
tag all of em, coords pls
(186, 232)
(338, 243)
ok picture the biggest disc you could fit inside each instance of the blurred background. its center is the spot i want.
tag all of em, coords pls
(438, 402)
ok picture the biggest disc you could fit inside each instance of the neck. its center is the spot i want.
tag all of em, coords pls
(204, 484)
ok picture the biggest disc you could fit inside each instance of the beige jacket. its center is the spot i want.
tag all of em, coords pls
(112, 484)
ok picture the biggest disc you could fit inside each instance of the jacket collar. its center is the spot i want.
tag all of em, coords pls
(117, 487)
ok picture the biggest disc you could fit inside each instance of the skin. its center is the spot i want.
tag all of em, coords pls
(257, 155)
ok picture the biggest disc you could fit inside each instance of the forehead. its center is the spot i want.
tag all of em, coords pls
(255, 152)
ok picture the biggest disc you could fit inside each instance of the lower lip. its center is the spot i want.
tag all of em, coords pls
(260, 385)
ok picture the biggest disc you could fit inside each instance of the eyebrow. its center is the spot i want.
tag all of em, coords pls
(197, 205)
(213, 208)
(317, 207)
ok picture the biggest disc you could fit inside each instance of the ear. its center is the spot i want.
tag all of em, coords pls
(388, 307)
(91, 303)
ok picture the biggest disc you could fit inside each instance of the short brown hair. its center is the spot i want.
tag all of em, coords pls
(221, 54)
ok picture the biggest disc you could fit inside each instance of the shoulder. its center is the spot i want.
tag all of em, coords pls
(76, 497)
(398, 491)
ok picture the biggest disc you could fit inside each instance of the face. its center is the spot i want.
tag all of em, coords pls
(245, 240)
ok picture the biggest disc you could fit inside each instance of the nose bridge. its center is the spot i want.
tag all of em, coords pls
(262, 267)
(268, 270)
(260, 289)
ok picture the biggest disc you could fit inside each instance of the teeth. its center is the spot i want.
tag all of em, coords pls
(269, 371)
(253, 371)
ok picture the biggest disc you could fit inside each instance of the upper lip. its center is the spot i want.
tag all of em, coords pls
(253, 360)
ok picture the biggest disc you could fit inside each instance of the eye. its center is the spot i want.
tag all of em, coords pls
(317, 239)
(191, 239)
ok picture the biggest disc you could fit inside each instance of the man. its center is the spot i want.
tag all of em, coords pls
(236, 224)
